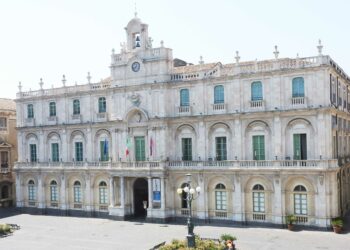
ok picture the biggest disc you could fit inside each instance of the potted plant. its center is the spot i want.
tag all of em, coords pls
(337, 224)
(290, 220)
(228, 241)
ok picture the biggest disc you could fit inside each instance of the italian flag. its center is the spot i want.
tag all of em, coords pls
(127, 150)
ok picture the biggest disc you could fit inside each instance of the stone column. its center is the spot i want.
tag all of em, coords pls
(238, 206)
(277, 201)
(201, 200)
(237, 140)
(111, 192)
(63, 193)
(150, 193)
(19, 195)
(162, 193)
(88, 205)
(41, 193)
(122, 192)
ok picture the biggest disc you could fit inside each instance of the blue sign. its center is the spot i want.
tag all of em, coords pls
(156, 196)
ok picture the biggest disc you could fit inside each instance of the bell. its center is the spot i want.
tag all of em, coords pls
(138, 45)
(137, 38)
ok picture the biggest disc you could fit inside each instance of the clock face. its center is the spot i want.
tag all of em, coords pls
(135, 66)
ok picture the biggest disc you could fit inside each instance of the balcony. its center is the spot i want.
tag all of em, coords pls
(219, 107)
(52, 120)
(30, 122)
(184, 110)
(258, 104)
(76, 118)
(298, 101)
(102, 117)
(184, 165)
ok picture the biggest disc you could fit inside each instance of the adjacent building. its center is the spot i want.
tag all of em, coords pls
(8, 151)
(263, 139)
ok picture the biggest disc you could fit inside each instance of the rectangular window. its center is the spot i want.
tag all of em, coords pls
(53, 193)
(30, 111)
(300, 204)
(220, 200)
(221, 152)
(76, 107)
(52, 109)
(3, 123)
(103, 195)
(55, 154)
(187, 149)
(78, 151)
(33, 155)
(184, 97)
(31, 193)
(258, 147)
(104, 152)
(259, 202)
(300, 147)
(140, 148)
(4, 159)
(77, 194)
(102, 106)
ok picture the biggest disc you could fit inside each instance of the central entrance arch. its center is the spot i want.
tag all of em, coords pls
(140, 196)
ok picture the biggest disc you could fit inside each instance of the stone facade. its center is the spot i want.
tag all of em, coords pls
(8, 151)
(263, 139)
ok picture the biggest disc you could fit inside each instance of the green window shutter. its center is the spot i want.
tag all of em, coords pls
(140, 154)
(258, 147)
(104, 151)
(187, 149)
(33, 156)
(79, 151)
(296, 147)
(221, 151)
(184, 97)
(55, 152)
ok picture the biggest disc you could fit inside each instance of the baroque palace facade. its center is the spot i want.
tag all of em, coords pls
(8, 151)
(263, 139)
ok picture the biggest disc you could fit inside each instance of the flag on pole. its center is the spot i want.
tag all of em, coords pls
(151, 146)
(127, 150)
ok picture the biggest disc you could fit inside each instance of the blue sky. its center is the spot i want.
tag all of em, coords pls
(50, 38)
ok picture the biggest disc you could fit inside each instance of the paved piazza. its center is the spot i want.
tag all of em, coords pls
(52, 232)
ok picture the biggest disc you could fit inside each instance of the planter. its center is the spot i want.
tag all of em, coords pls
(290, 227)
(337, 229)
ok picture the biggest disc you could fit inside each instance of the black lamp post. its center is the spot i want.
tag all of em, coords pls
(191, 194)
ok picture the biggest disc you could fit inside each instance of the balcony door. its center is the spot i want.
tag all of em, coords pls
(140, 154)
(258, 147)
(300, 147)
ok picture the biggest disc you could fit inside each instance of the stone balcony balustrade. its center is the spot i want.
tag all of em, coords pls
(185, 165)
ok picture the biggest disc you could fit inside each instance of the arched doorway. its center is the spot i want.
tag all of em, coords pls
(140, 196)
(5, 192)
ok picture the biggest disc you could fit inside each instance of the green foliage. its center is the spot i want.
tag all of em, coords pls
(5, 229)
(290, 219)
(226, 237)
(337, 222)
(200, 245)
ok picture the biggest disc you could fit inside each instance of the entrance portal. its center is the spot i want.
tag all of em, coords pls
(140, 197)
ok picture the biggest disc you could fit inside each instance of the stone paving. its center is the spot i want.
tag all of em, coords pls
(54, 232)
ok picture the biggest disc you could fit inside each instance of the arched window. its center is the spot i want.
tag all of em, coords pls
(52, 107)
(4, 192)
(184, 97)
(102, 106)
(76, 107)
(31, 191)
(184, 196)
(298, 87)
(30, 111)
(219, 96)
(300, 200)
(220, 197)
(258, 199)
(103, 199)
(53, 191)
(77, 192)
(256, 91)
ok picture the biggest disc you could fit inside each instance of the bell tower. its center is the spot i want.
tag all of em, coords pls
(137, 34)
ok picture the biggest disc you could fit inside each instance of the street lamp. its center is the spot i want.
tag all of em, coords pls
(191, 194)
